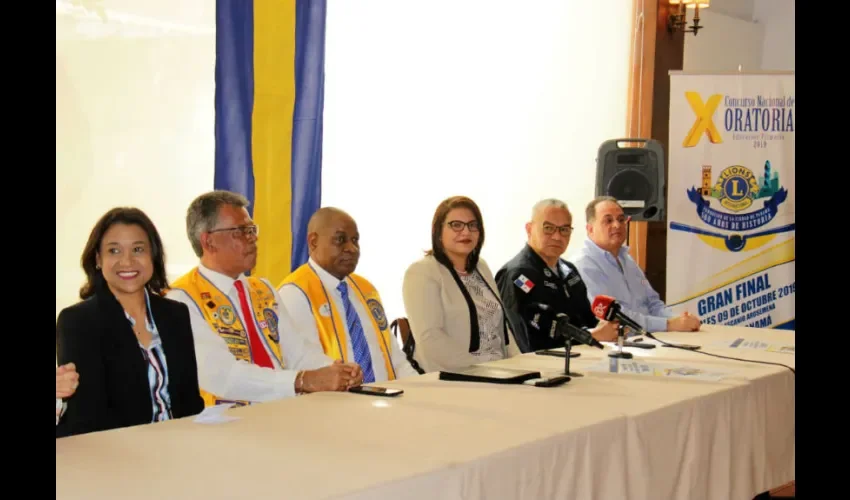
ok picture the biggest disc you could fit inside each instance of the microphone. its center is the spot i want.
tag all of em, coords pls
(561, 327)
(607, 308)
(567, 330)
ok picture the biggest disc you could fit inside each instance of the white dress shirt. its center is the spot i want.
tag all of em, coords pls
(305, 324)
(61, 405)
(220, 373)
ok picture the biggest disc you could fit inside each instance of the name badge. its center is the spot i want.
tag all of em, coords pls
(325, 310)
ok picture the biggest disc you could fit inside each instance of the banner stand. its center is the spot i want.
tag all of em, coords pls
(731, 198)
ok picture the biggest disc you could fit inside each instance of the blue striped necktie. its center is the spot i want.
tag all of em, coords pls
(358, 338)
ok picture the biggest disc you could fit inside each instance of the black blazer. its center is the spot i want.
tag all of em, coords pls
(566, 295)
(95, 335)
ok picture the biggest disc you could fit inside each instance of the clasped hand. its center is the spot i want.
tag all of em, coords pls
(338, 376)
(67, 381)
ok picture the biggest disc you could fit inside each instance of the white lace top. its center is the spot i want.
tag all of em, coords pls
(490, 319)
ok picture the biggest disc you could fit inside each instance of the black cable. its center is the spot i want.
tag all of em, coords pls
(720, 356)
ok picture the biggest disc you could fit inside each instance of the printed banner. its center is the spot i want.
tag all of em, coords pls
(730, 243)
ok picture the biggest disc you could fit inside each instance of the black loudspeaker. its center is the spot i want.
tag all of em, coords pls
(634, 175)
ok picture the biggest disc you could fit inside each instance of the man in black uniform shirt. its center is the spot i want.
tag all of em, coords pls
(538, 274)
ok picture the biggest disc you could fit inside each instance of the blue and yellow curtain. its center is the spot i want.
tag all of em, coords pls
(269, 97)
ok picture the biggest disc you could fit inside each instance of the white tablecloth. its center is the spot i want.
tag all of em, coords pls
(601, 436)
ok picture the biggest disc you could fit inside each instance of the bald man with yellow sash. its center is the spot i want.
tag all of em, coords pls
(246, 349)
(326, 300)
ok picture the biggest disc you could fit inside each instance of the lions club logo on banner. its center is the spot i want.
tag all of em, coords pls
(745, 203)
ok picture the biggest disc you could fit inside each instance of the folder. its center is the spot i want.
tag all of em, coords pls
(479, 373)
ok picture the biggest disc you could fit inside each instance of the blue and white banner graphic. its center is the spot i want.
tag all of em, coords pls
(731, 198)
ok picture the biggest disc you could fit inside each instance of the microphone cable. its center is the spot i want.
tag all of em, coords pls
(653, 337)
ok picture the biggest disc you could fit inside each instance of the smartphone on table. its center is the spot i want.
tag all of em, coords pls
(548, 381)
(374, 390)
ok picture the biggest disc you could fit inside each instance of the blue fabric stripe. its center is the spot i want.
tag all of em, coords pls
(234, 97)
(307, 126)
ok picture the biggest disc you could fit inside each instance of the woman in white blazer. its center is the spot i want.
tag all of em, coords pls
(451, 300)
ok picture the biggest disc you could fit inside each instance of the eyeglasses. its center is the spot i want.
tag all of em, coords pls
(458, 225)
(564, 230)
(252, 230)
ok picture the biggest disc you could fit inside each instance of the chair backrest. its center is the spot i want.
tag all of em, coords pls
(401, 329)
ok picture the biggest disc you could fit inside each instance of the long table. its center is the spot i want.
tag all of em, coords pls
(600, 436)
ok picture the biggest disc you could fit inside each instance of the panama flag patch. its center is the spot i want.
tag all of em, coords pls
(524, 283)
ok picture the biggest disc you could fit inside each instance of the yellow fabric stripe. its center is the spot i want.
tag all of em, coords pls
(274, 103)
(774, 256)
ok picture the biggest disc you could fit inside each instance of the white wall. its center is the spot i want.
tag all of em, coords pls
(724, 44)
(503, 104)
(758, 35)
(777, 17)
(742, 9)
(134, 122)
(424, 99)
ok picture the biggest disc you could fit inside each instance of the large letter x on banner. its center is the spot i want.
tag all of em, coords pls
(705, 119)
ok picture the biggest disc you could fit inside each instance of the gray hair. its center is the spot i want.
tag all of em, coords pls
(544, 204)
(202, 215)
(590, 211)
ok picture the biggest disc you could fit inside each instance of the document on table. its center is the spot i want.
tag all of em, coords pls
(741, 343)
(637, 367)
(215, 415)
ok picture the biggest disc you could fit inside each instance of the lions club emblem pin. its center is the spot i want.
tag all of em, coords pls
(225, 313)
(378, 313)
(271, 322)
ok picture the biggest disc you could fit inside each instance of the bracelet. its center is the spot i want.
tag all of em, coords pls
(299, 382)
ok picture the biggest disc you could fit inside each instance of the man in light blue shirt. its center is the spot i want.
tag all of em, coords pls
(608, 269)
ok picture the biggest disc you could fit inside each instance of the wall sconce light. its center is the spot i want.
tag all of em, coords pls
(677, 19)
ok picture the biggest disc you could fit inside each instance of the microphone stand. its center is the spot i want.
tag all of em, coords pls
(619, 353)
(568, 345)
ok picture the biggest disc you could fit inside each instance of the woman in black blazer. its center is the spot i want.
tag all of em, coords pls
(133, 347)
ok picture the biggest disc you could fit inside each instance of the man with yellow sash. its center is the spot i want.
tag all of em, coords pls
(246, 347)
(342, 310)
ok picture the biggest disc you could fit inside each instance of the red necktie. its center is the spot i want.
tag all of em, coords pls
(258, 350)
